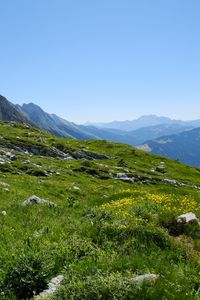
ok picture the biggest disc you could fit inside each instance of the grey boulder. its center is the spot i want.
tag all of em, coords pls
(38, 201)
(188, 218)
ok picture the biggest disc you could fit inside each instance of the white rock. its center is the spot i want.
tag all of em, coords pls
(68, 158)
(170, 181)
(52, 287)
(76, 188)
(160, 168)
(145, 277)
(121, 175)
(188, 218)
(4, 184)
(36, 200)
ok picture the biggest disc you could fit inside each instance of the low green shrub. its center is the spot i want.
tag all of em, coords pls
(27, 276)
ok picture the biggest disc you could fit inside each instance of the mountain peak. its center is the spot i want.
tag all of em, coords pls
(8, 112)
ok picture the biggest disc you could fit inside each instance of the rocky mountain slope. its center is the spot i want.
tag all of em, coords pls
(109, 218)
(8, 112)
(53, 123)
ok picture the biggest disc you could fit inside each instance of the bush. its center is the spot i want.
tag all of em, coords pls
(93, 287)
(26, 277)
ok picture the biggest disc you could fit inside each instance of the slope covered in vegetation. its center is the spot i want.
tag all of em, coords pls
(109, 216)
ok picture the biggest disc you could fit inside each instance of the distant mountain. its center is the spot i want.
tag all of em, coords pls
(112, 135)
(8, 112)
(145, 121)
(184, 146)
(53, 123)
(174, 139)
(153, 132)
(75, 130)
(135, 137)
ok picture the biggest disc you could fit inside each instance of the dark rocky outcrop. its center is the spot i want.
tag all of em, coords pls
(8, 112)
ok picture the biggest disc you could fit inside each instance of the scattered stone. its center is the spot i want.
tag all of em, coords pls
(160, 169)
(36, 165)
(76, 188)
(141, 278)
(3, 161)
(188, 218)
(26, 162)
(170, 181)
(40, 139)
(42, 173)
(68, 158)
(120, 175)
(11, 156)
(127, 179)
(4, 213)
(123, 177)
(36, 200)
(52, 287)
(105, 196)
(4, 184)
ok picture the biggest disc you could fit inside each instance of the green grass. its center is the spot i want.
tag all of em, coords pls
(102, 234)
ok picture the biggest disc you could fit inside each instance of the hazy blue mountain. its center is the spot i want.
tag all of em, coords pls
(135, 137)
(75, 130)
(184, 146)
(8, 112)
(145, 121)
(112, 135)
(53, 123)
(154, 132)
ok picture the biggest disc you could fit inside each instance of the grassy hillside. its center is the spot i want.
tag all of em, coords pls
(101, 232)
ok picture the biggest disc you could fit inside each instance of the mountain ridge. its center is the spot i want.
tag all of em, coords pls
(183, 146)
(8, 112)
(152, 138)
(145, 121)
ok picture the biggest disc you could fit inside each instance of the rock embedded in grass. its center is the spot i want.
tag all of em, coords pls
(123, 177)
(160, 169)
(36, 200)
(4, 184)
(188, 218)
(52, 287)
(11, 156)
(141, 278)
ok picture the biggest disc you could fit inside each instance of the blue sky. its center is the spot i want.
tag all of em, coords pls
(100, 60)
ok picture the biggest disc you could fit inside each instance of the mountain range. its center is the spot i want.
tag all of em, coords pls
(53, 123)
(144, 121)
(160, 135)
(183, 146)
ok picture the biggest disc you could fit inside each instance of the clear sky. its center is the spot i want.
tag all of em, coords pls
(100, 60)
